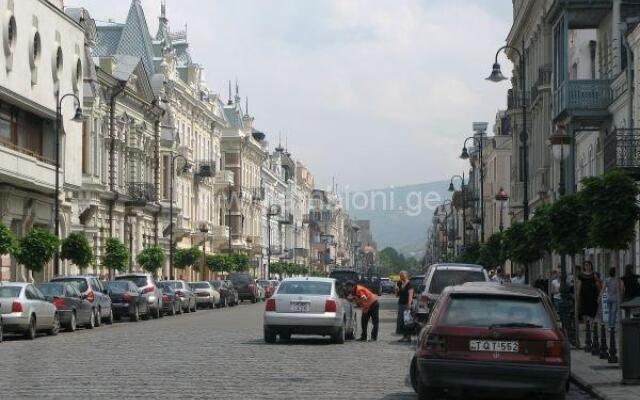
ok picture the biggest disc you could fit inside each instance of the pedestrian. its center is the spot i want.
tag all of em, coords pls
(630, 281)
(368, 302)
(587, 289)
(554, 289)
(615, 292)
(501, 277)
(518, 279)
(404, 292)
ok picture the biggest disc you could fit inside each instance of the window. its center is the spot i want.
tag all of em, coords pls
(36, 49)
(484, 311)
(12, 32)
(8, 125)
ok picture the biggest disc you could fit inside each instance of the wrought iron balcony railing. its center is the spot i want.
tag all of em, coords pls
(587, 98)
(622, 150)
(141, 193)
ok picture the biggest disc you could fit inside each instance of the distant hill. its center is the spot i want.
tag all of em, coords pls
(400, 216)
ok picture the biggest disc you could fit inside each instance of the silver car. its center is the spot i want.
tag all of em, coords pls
(185, 293)
(149, 290)
(25, 310)
(206, 295)
(308, 306)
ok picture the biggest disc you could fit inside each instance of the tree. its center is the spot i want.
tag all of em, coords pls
(36, 249)
(240, 262)
(151, 259)
(492, 252)
(517, 241)
(611, 201)
(539, 230)
(116, 255)
(184, 258)
(218, 262)
(8, 242)
(77, 249)
(569, 225)
(469, 255)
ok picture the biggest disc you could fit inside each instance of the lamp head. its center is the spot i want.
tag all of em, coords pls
(496, 74)
(451, 188)
(465, 153)
(78, 116)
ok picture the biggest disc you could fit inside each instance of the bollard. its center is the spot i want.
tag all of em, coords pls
(613, 351)
(595, 347)
(587, 338)
(604, 350)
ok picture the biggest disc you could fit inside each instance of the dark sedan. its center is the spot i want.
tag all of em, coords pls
(246, 286)
(170, 299)
(73, 309)
(228, 294)
(127, 300)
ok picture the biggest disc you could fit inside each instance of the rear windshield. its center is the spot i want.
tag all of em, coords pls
(216, 284)
(418, 283)
(344, 276)
(140, 281)
(51, 289)
(305, 287)
(166, 287)
(118, 286)
(200, 285)
(240, 279)
(478, 311)
(264, 284)
(443, 278)
(174, 285)
(79, 283)
(9, 291)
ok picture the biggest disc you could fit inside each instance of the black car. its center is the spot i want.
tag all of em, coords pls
(127, 300)
(228, 294)
(246, 286)
(73, 309)
(343, 276)
(170, 299)
(388, 287)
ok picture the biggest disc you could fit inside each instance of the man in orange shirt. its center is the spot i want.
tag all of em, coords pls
(368, 302)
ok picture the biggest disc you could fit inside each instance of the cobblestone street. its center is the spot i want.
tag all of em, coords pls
(209, 354)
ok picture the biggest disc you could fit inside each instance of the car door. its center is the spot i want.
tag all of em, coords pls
(44, 315)
(103, 299)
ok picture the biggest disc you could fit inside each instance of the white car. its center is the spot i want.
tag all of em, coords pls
(206, 295)
(308, 306)
(25, 310)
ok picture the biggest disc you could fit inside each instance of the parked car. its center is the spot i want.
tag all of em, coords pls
(308, 306)
(73, 310)
(440, 276)
(206, 295)
(228, 294)
(150, 291)
(343, 276)
(171, 304)
(25, 310)
(245, 285)
(486, 337)
(388, 286)
(92, 290)
(267, 286)
(185, 293)
(127, 300)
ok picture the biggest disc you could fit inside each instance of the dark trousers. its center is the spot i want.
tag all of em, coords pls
(372, 314)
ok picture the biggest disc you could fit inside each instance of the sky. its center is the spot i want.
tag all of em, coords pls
(373, 93)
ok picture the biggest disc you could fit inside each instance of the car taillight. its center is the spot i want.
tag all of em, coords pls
(127, 297)
(251, 286)
(91, 296)
(330, 306)
(148, 289)
(271, 305)
(16, 307)
(554, 351)
(165, 298)
(58, 302)
(431, 344)
(424, 300)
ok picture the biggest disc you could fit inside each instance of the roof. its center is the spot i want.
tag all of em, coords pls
(233, 115)
(494, 289)
(444, 265)
(107, 39)
(309, 278)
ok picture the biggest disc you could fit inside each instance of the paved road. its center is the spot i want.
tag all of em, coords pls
(209, 354)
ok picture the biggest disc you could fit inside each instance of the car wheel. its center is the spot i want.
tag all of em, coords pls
(426, 392)
(92, 321)
(109, 319)
(195, 307)
(216, 305)
(172, 309)
(134, 316)
(160, 313)
(254, 300)
(270, 335)
(156, 313)
(413, 374)
(285, 336)
(1, 333)
(55, 329)
(31, 331)
(72, 325)
(98, 317)
(339, 336)
(351, 333)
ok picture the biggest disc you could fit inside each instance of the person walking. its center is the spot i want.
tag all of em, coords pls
(631, 286)
(404, 291)
(615, 292)
(554, 289)
(368, 302)
(587, 290)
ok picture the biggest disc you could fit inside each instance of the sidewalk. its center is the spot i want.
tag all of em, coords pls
(601, 378)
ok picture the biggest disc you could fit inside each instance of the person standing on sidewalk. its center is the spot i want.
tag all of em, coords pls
(615, 292)
(368, 302)
(554, 289)
(588, 291)
(404, 291)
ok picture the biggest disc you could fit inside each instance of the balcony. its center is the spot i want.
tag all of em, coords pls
(141, 193)
(301, 252)
(205, 168)
(223, 179)
(622, 150)
(220, 234)
(584, 99)
(26, 169)
(542, 83)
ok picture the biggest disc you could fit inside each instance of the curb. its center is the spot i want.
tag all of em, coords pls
(588, 388)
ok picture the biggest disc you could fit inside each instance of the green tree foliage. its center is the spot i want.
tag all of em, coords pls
(77, 249)
(116, 255)
(611, 201)
(493, 252)
(36, 249)
(539, 231)
(218, 263)
(520, 249)
(184, 258)
(151, 259)
(569, 225)
(390, 262)
(469, 255)
(239, 262)
(8, 241)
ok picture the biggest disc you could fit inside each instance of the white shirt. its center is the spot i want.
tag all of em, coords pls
(555, 288)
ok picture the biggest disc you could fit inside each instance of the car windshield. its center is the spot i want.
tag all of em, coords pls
(451, 277)
(118, 286)
(140, 281)
(79, 283)
(240, 279)
(305, 287)
(200, 285)
(418, 283)
(7, 292)
(51, 289)
(486, 311)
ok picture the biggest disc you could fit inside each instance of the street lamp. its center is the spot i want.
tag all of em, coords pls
(77, 117)
(465, 156)
(497, 76)
(355, 229)
(272, 211)
(204, 229)
(464, 203)
(185, 168)
(502, 197)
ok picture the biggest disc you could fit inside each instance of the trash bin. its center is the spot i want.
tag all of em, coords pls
(630, 360)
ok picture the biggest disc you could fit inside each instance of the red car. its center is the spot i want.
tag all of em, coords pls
(268, 287)
(489, 338)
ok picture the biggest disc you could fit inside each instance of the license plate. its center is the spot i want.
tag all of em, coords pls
(299, 307)
(494, 346)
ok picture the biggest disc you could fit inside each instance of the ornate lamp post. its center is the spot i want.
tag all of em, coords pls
(77, 117)
(465, 156)
(185, 168)
(272, 211)
(203, 226)
(502, 197)
(464, 204)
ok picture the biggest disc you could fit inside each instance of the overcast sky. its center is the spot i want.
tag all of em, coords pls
(377, 93)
